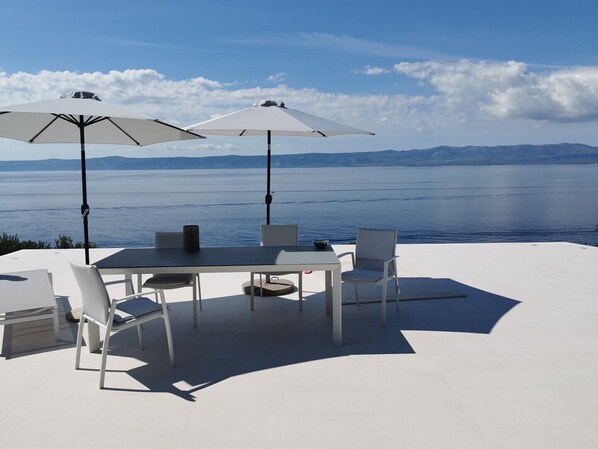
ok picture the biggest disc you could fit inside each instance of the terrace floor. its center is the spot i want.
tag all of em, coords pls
(506, 355)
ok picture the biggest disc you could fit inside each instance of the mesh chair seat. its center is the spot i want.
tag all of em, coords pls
(168, 281)
(360, 275)
(135, 308)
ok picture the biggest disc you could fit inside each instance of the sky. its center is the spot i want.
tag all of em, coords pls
(418, 74)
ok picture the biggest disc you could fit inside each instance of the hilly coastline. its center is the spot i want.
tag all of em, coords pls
(564, 153)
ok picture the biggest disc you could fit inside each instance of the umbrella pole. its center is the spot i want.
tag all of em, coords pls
(268, 195)
(84, 206)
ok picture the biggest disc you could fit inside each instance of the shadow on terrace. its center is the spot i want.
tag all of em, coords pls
(231, 340)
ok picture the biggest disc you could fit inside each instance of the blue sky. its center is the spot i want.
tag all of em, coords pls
(417, 73)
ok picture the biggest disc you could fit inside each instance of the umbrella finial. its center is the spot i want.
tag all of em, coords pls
(81, 94)
(267, 103)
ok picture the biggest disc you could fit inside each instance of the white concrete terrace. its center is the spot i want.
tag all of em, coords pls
(510, 359)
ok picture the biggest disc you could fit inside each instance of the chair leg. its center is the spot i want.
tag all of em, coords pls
(193, 285)
(300, 291)
(140, 334)
(79, 340)
(166, 318)
(56, 324)
(383, 312)
(104, 357)
(397, 293)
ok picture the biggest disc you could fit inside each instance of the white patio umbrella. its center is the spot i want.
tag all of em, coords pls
(80, 117)
(271, 118)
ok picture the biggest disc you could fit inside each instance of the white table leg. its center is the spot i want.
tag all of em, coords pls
(195, 288)
(56, 325)
(129, 283)
(54, 311)
(93, 337)
(252, 291)
(337, 307)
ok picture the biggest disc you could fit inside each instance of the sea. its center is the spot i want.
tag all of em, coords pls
(541, 203)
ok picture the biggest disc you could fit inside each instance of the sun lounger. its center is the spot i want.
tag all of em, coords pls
(27, 296)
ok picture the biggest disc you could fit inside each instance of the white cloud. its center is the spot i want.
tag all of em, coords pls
(466, 103)
(369, 70)
(146, 90)
(181, 102)
(507, 90)
(225, 146)
(278, 78)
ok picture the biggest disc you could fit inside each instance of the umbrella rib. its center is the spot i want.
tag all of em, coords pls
(56, 117)
(67, 118)
(92, 120)
(176, 127)
(123, 131)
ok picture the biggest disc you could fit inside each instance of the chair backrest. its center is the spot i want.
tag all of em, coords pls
(96, 301)
(280, 235)
(373, 247)
(168, 239)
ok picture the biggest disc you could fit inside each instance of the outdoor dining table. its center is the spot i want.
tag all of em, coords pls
(259, 259)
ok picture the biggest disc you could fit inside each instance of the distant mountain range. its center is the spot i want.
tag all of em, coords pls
(563, 153)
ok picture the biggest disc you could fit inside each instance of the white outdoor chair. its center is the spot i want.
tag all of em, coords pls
(114, 315)
(174, 280)
(374, 262)
(279, 235)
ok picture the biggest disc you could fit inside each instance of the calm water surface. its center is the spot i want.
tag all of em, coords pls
(431, 204)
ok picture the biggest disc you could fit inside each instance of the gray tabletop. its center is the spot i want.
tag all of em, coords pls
(279, 256)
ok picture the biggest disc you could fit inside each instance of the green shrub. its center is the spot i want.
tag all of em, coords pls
(63, 242)
(10, 243)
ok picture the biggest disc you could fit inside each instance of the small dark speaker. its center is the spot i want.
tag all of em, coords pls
(191, 238)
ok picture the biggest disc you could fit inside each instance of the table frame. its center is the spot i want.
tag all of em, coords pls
(262, 259)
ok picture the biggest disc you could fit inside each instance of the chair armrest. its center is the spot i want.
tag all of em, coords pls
(121, 281)
(387, 262)
(347, 254)
(118, 281)
(156, 293)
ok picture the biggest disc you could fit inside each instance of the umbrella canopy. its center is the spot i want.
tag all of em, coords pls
(271, 118)
(81, 117)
